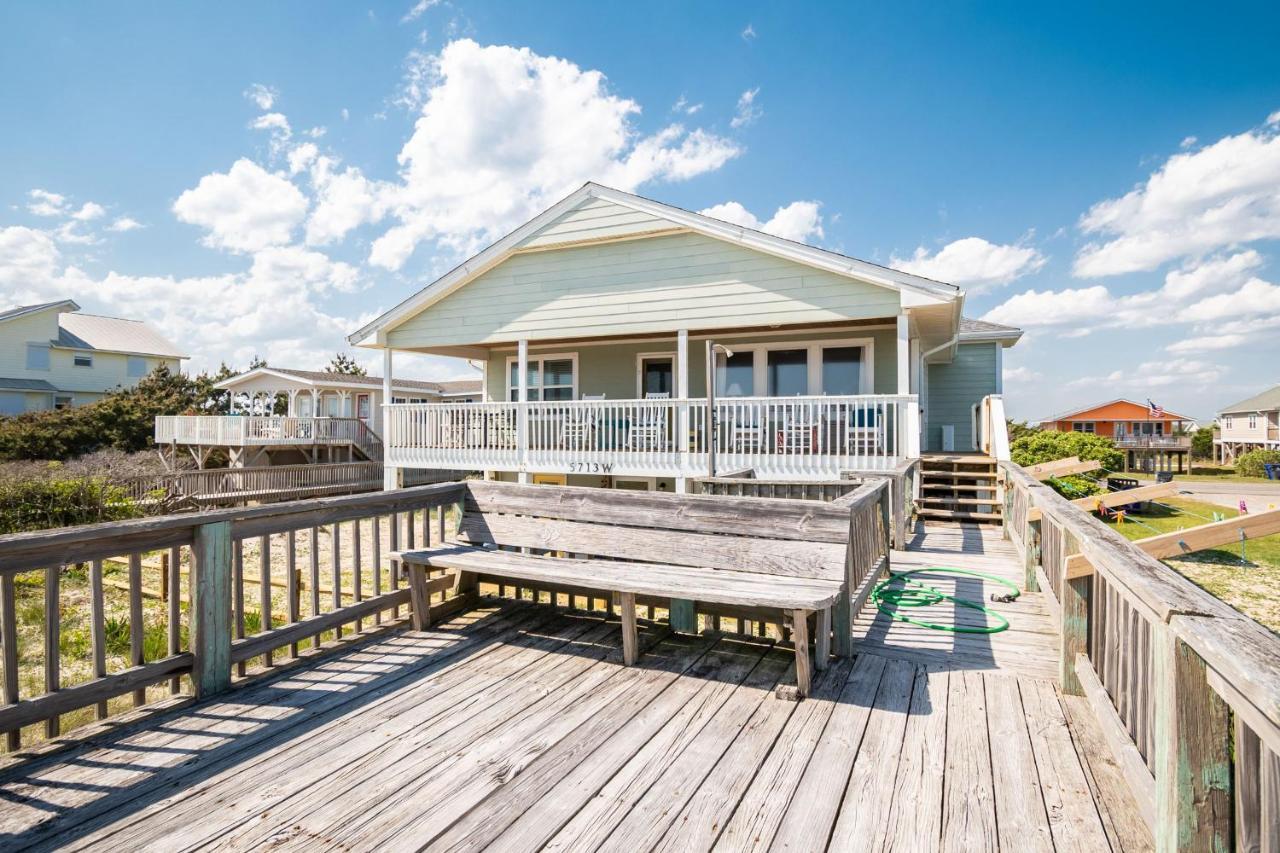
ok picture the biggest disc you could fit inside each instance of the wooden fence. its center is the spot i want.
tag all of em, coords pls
(363, 590)
(1186, 689)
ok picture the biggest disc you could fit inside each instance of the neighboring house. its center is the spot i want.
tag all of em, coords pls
(52, 356)
(282, 416)
(1251, 424)
(594, 320)
(1151, 440)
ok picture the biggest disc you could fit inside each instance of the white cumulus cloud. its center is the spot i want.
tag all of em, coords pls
(124, 223)
(243, 210)
(504, 132)
(800, 221)
(1207, 343)
(45, 203)
(1221, 195)
(973, 262)
(262, 95)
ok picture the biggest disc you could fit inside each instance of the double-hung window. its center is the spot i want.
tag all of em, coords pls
(1253, 421)
(549, 378)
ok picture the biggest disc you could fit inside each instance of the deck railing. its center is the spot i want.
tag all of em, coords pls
(1154, 442)
(1186, 689)
(329, 555)
(227, 486)
(265, 431)
(776, 436)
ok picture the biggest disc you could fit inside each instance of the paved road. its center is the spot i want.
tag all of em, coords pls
(1256, 495)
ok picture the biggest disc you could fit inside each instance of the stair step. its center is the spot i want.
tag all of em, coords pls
(959, 475)
(932, 499)
(953, 487)
(957, 515)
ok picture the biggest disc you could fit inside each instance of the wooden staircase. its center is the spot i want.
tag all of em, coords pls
(958, 487)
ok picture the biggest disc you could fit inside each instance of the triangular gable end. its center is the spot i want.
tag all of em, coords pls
(595, 213)
(596, 220)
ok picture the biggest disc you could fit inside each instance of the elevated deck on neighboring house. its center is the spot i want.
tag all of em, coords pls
(515, 727)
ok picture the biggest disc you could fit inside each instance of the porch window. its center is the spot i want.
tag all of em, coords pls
(549, 379)
(735, 375)
(788, 371)
(842, 371)
(1083, 426)
(657, 376)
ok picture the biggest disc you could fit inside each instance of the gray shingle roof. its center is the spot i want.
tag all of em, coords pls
(25, 385)
(90, 331)
(10, 313)
(984, 327)
(1267, 401)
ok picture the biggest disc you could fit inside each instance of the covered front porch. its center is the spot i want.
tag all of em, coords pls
(802, 402)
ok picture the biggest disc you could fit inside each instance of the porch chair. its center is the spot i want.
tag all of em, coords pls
(864, 434)
(649, 429)
(578, 426)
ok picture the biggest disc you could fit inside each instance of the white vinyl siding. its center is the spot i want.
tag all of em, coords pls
(657, 284)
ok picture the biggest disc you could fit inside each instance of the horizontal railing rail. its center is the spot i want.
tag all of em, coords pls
(776, 436)
(258, 430)
(213, 604)
(220, 486)
(1153, 441)
(1179, 681)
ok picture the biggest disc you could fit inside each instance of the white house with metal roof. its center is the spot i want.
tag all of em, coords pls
(1251, 424)
(597, 320)
(281, 416)
(53, 356)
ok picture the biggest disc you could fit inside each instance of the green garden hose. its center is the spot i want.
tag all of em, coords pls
(911, 593)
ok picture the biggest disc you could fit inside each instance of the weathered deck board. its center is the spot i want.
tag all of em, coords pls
(517, 728)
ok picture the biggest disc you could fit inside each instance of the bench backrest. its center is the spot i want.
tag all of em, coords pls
(764, 535)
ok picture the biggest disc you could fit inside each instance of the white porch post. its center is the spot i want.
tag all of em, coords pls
(682, 396)
(391, 475)
(522, 410)
(293, 403)
(910, 441)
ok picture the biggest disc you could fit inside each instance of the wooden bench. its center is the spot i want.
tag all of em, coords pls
(757, 554)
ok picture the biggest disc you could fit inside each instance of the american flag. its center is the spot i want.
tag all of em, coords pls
(1154, 410)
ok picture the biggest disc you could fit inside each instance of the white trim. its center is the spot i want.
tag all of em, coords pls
(999, 369)
(231, 382)
(675, 380)
(507, 387)
(650, 482)
(374, 333)
(660, 337)
(760, 362)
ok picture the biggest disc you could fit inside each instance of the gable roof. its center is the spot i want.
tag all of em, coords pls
(340, 380)
(112, 334)
(21, 310)
(1267, 401)
(930, 290)
(1074, 413)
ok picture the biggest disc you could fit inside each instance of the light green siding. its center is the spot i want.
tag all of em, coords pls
(642, 286)
(595, 219)
(953, 391)
(610, 369)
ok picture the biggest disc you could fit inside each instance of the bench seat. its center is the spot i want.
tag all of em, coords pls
(798, 597)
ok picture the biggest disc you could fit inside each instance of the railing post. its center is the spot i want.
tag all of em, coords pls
(911, 443)
(1192, 751)
(1074, 598)
(1031, 554)
(211, 614)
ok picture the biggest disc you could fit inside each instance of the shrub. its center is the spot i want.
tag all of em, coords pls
(1250, 464)
(39, 503)
(1044, 446)
(1202, 443)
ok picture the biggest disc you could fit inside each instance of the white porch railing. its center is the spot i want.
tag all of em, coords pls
(777, 436)
(253, 431)
(994, 428)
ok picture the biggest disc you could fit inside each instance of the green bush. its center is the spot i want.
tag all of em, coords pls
(36, 503)
(1202, 443)
(1250, 464)
(1037, 447)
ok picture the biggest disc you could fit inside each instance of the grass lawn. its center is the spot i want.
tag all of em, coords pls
(1252, 587)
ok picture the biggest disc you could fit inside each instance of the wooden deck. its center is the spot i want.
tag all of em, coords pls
(516, 728)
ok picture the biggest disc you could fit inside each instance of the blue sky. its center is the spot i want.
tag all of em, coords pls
(261, 178)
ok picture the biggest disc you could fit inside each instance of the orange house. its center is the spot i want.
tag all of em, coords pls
(1150, 443)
